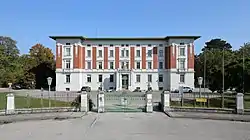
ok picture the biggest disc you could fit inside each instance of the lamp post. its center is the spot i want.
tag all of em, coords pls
(200, 79)
(10, 84)
(49, 79)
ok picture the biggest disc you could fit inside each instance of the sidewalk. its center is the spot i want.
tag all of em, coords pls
(211, 116)
(40, 116)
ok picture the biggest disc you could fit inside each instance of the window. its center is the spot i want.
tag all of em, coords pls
(111, 78)
(99, 78)
(99, 53)
(137, 53)
(122, 55)
(67, 43)
(160, 53)
(111, 45)
(182, 51)
(182, 43)
(67, 78)
(160, 45)
(149, 45)
(138, 78)
(111, 65)
(88, 53)
(67, 89)
(67, 62)
(88, 45)
(149, 53)
(160, 88)
(89, 78)
(122, 45)
(127, 45)
(127, 53)
(160, 65)
(138, 45)
(99, 65)
(160, 78)
(138, 65)
(182, 78)
(67, 51)
(111, 53)
(100, 45)
(149, 65)
(149, 78)
(181, 63)
(89, 65)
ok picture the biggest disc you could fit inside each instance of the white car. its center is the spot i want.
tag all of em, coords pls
(186, 89)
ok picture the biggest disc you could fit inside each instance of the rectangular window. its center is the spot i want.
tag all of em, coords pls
(99, 53)
(111, 53)
(149, 65)
(67, 51)
(122, 55)
(160, 88)
(182, 78)
(89, 78)
(160, 53)
(89, 65)
(138, 53)
(127, 53)
(149, 78)
(149, 53)
(138, 65)
(181, 63)
(67, 78)
(111, 65)
(67, 62)
(111, 78)
(99, 65)
(138, 78)
(160, 78)
(160, 65)
(99, 78)
(182, 51)
(88, 53)
(67, 43)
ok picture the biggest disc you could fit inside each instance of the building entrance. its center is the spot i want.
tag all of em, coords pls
(125, 79)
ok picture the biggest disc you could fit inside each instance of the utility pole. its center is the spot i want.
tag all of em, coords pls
(223, 80)
(243, 73)
(205, 61)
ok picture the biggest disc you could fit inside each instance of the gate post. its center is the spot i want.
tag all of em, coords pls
(149, 104)
(100, 102)
(10, 108)
(165, 100)
(240, 103)
(84, 101)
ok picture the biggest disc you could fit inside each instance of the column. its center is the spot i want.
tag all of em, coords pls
(117, 81)
(240, 103)
(10, 109)
(100, 102)
(149, 105)
(84, 101)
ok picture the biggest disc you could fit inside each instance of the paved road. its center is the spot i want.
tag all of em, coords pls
(122, 126)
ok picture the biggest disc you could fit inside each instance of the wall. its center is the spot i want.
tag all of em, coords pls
(74, 84)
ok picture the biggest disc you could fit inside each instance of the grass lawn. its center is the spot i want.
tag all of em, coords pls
(29, 102)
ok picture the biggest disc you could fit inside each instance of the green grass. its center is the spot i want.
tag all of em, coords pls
(29, 102)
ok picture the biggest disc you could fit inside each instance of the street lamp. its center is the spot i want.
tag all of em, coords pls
(200, 79)
(49, 79)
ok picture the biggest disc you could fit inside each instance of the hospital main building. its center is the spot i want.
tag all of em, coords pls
(164, 63)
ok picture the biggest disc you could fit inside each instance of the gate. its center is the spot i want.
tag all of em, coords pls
(124, 103)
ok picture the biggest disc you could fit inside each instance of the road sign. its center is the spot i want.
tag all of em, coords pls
(204, 100)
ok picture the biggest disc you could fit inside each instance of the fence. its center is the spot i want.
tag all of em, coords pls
(208, 100)
(247, 102)
(39, 102)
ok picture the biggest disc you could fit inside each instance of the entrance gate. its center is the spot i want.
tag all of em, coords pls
(125, 103)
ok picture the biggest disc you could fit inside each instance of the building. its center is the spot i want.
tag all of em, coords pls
(124, 63)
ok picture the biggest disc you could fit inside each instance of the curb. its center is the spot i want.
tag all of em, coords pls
(19, 118)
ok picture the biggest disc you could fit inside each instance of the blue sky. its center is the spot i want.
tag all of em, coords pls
(32, 21)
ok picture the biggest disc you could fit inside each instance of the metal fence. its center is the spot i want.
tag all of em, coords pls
(204, 100)
(247, 101)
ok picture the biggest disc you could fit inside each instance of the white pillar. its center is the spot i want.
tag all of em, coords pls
(100, 102)
(149, 105)
(240, 103)
(165, 100)
(10, 109)
(84, 101)
(117, 81)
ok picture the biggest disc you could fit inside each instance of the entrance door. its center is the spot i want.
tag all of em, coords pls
(125, 81)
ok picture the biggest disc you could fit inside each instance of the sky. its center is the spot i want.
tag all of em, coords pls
(33, 21)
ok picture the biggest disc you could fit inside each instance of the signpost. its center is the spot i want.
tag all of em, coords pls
(200, 79)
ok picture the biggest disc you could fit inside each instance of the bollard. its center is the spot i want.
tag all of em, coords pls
(240, 103)
(100, 102)
(84, 101)
(165, 100)
(10, 109)
(149, 104)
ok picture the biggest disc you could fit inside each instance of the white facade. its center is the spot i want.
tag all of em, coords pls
(78, 77)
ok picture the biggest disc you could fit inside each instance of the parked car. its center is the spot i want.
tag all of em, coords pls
(16, 86)
(85, 88)
(137, 90)
(186, 89)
